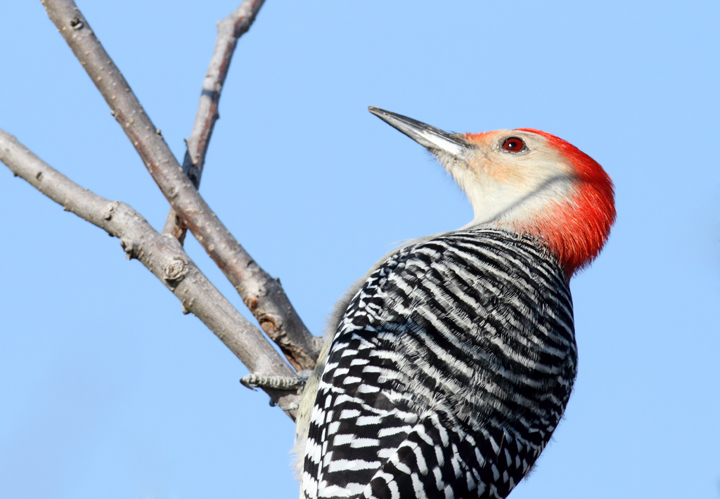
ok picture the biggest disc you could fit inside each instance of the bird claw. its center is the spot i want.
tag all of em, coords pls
(247, 381)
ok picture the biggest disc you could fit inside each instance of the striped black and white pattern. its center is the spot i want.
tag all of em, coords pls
(448, 373)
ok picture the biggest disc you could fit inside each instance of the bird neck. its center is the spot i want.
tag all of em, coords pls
(575, 230)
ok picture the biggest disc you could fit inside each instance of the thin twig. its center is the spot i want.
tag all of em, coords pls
(162, 255)
(262, 294)
(230, 30)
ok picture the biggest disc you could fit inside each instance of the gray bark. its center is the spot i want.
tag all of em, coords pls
(160, 254)
(262, 294)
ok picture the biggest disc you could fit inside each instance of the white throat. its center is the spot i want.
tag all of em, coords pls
(503, 202)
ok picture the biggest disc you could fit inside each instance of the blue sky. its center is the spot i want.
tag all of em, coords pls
(109, 391)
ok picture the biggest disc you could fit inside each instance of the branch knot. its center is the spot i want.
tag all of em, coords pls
(175, 270)
(108, 212)
(76, 23)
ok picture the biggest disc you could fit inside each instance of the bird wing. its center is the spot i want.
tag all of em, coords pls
(424, 381)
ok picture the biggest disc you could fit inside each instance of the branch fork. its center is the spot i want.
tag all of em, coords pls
(162, 253)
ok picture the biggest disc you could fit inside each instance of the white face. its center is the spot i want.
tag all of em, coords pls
(526, 181)
(509, 175)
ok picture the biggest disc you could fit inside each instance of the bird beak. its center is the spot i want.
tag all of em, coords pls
(435, 140)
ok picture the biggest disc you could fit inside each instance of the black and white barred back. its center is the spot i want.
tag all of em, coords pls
(448, 374)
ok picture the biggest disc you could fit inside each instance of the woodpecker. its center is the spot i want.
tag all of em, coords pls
(449, 365)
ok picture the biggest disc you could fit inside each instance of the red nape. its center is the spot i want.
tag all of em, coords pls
(577, 233)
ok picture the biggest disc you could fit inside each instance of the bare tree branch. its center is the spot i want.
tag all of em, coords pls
(262, 294)
(230, 30)
(162, 255)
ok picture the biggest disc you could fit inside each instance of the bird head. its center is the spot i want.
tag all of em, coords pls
(527, 182)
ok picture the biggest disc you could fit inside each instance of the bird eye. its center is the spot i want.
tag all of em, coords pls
(513, 144)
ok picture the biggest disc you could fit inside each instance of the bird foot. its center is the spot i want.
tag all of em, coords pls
(287, 383)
